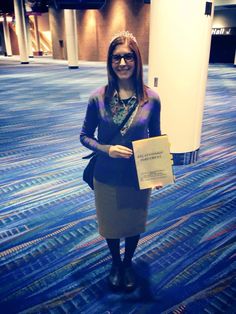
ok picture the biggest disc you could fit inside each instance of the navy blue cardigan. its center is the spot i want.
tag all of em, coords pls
(98, 118)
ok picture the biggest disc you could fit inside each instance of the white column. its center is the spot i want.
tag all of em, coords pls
(235, 58)
(180, 35)
(37, 36)
(29, 38)
(21, 30)
(7, 36)
(71, 38)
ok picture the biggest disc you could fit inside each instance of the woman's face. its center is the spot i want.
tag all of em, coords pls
(123, 62)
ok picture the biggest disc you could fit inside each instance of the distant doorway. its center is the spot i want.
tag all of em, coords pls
(222, 49)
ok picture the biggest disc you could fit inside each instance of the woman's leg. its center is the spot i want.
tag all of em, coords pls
(129, 278)
(114, 247)
(115, 276)
(130, 247)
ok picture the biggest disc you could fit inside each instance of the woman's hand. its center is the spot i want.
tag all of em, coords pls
(119, 151)
(159, 186)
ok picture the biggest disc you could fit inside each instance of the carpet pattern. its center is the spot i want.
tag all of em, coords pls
(52, 259)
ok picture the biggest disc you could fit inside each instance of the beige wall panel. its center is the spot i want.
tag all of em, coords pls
(57, 27)
(97, 27)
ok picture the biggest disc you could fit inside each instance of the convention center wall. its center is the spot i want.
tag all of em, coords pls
(96, 28)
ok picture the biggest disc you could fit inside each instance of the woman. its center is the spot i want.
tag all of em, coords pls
(121, 207)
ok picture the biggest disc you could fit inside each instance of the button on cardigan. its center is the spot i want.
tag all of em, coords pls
(98, 120)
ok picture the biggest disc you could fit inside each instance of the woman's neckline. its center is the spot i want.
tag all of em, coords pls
(126, 99)
(125, 93)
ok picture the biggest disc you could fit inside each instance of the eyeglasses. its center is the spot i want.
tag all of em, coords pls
(128, 57)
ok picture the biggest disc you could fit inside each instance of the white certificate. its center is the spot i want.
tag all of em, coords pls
(153, 161)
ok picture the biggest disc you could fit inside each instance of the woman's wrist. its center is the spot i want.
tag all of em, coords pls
(107, 148)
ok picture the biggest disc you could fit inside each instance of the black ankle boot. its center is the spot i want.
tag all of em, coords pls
(129, 278)
(115, 277)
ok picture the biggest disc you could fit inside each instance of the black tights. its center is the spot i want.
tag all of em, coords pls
(130, 247)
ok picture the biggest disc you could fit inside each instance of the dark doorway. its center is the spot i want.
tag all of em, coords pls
(222, 49)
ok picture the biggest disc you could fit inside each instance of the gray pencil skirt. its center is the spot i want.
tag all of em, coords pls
(121, 210)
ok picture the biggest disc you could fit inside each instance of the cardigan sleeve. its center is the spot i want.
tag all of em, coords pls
(154, 123)
(91, 121)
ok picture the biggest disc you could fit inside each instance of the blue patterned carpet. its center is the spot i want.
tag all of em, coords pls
(51, 257)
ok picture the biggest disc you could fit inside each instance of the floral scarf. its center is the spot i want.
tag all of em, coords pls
(120, 109)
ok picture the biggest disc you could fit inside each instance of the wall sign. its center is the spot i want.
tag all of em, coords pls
(224, 31)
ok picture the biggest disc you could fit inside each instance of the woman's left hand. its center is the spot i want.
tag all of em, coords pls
(159, 186)
(120, 151)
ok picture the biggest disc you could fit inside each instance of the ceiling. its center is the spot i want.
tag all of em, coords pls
(7, 6)
(42, 5)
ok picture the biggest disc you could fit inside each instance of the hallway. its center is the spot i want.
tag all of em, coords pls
(52, 259)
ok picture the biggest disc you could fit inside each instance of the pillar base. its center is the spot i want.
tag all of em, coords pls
(73, 67)
(31, 56)
(38, 53)
(185, 158)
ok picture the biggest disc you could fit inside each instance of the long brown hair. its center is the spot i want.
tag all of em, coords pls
(138, 72)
